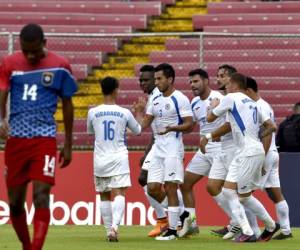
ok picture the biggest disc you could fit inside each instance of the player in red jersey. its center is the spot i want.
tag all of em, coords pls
(35, 78)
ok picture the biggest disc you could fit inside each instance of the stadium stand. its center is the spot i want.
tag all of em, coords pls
(273, 62)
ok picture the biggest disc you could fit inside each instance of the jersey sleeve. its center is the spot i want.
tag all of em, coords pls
(5, 74)
(149, 110)
(185, 109)
(69, 85)
(263, 115)
(89, 125)
(132, 124)
(226, 104)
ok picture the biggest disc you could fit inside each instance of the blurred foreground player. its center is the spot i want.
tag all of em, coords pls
(35, 78)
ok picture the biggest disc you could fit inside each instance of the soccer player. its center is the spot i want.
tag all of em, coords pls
(147, 84)
(201, 163)
(170, 112)
(224, 73)
(270, 180)
(244, 173)
(109, 122)
(35, 78)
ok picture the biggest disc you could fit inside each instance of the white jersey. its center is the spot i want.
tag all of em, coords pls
(155, 92)
(200, 108)
(267, 109)
(244, 118)
(109, 123)
(168, 111)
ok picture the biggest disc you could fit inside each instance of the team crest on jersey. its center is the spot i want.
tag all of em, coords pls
(47, 78)
(167, 106)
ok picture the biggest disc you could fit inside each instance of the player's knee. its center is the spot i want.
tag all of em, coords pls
(244, 199)
(41, 200)
(228, 193)
(16, 209)
(152, 190)
(142, 179)
(185, 187)
(211, 189)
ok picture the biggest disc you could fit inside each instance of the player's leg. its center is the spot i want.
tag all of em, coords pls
(172, 176)
(282, 212)
(273, 189)
(253, 222)
(42, 172)
(17, 196)
(161, 217)
(16, 158)
(41, 219)
(249, 179)
(106, 211)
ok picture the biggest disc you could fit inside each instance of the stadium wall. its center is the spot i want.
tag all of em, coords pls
(73, 199)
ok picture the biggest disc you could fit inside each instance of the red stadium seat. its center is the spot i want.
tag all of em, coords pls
(99, 7)
(79, 44)
(276, 29)
(256, 7)
(92, 58)
(199, 21)
(254, 55)
(136, 21)
(80, 71)
(233, 43)
(72, 28)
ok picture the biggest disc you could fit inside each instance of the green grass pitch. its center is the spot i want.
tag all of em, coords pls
(134, 238)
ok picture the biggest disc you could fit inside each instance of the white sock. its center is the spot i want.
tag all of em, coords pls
(223, 203)
(173, 216)
(158, 208)
(253, 222)
(180, 199)
(118, 210)
(282, 211)
(237, 210)
(192, 212)
(106, 213)
(259, 210)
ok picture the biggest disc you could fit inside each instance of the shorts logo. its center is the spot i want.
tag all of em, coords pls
(244, 187)
(171, 173)
(167, 107)
(47, 78)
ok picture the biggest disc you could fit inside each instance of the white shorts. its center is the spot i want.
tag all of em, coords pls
(201, 163)
(106, 184)
(271, 165)
(246, 171)
(148, 159)
(221, 162)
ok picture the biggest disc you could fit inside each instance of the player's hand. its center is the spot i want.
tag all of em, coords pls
(4, 129)
(140, 105)
(214, 103)
(167, 130)
(203, 142)
(263, 171)
(65, 156)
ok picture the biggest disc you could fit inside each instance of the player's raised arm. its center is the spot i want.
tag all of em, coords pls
(139, 109)
(220, 108)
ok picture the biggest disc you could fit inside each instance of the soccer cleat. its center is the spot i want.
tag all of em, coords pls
(113, 235)
(233, 231)
(267, 235)
(282, 236)
(186, 220)
(220, 232)
(245, 238)
(160, 227)
(170, 234)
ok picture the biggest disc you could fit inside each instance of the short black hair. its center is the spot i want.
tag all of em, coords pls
(240, 79)
(32, 32)
(252, 84)
(147, 68)
(202, 73)
(167, 70)
(109, 84)
(229, 69)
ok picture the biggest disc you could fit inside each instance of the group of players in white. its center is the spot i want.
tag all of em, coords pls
(237, 152)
